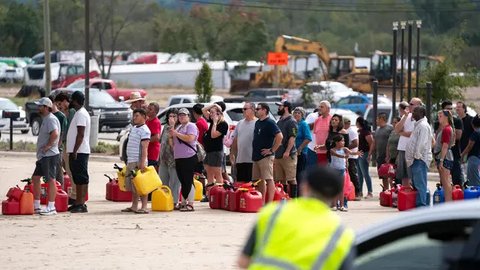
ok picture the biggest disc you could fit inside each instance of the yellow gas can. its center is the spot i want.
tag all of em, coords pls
(162, 199)
(198, 190)
(121, 178)
(146, 182)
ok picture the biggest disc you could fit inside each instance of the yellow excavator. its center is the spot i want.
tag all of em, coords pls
(330, 66)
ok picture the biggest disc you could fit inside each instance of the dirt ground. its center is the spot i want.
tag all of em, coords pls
(105, 238)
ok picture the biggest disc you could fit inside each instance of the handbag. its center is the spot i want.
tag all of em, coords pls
(199, 151)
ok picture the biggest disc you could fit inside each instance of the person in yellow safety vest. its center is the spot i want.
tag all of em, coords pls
(302, 233)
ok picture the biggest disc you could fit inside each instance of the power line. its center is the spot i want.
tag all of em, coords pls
(337, 9)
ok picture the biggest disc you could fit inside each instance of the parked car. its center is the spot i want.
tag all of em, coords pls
(344, 113)
(109, 86)
(426, 238)
(261, 94)
(189, 98)
(329, 90)
(19, 123)
(233, 113)
(359, 103)
(14, 72)
(113, 115)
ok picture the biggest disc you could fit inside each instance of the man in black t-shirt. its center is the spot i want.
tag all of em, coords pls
(266, 141)
(456, 171)
(467, 124)
(285, 165)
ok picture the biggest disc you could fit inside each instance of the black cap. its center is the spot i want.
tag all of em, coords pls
(324, 181)
(285, 103)
(197, 108)
(222, 105)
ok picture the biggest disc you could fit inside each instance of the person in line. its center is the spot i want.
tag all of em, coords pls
(381, 141)
(335, 128)
(78, 149)
(302, 233)
(472, 152)
(418, 153)
(285, 164)
(155, 128)
(48, 156)
(137, 159)
(405, 128)
(312, 159)
(202, 127)
(184, 150)
(267, 138)
(456, 171)
(392, 144)
(63, 103)
(321, 128)
(366, 143)
(353, 159)
(468, 128)
(304, 137)
(213, 141)
(338, 158)
(136, 101)
(166, 170)
(241, 148)
(443, 151)
(62, 119)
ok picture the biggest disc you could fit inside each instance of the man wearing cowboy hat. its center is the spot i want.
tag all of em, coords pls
(137, 101)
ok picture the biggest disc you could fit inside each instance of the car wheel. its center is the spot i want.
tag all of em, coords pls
(36, 126)
(25, 131)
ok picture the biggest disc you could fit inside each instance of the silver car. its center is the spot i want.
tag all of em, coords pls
(19, 124)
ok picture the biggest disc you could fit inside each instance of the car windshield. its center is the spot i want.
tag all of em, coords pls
(6, 104)
(77, 84)
(370, 117)
(100, 98)
(235, 114)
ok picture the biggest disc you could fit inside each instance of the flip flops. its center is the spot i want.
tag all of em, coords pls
(141, 211)
(187, 208)
(128, 210)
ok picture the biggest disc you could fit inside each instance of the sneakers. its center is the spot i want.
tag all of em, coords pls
(369, 196)
(334, 208)
(79, 209)
(37, 210)
(343, 209)
(204, 199)
(48, 212)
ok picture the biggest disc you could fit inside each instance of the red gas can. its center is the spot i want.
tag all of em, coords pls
(15, 193)
(61, 201)
(118, 195)
(407, 198)
(11, 207)
(386, 198)
(280, 193)
(457, 193)
(233, 199)
(250, 201)
(215, 197)
(44, 191)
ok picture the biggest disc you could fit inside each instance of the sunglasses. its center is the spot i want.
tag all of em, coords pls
(258, 109)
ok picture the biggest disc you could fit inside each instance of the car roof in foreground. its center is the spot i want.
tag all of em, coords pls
(460, 210)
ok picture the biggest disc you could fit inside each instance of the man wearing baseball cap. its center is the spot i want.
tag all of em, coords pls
(285, 165)
(48, 156)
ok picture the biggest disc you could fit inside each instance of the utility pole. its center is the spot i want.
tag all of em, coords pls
(419, 25)
(394, 69)
(46, 41)
(402, 25)
(409, 68)
(87, 54)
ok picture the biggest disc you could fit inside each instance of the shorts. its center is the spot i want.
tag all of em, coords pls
(244, 172)
(129, 177)
(447, 164)
(263, 169)
(47, 166)
(402, 172)
(285, 169)
(153, 163)
(214, 159)
(79, 168)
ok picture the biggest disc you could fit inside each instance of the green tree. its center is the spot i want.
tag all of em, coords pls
(204, 84)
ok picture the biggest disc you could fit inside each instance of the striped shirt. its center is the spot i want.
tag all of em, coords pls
(420, 146)
(137, 135)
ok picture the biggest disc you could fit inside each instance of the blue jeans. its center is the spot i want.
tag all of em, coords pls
(419, 178)
(363, 173)
(473, 172)
(311, 158)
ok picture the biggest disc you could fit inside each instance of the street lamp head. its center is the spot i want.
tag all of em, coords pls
(419, 23)
(395, 26)
(403, 24)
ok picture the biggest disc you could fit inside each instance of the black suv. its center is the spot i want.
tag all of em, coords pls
(112, 114)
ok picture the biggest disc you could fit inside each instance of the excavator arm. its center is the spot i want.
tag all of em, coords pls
(286, 43)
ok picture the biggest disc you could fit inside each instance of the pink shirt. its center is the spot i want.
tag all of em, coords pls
(320, 128)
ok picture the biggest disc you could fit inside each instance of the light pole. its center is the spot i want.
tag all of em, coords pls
(87, 54)
(409, 68)
(419, 25)
(394, 68)
(402, 26)
(46, 42)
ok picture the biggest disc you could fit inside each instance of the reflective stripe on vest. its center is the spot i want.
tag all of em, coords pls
(319, 262)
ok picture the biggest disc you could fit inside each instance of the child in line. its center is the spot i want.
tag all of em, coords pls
(339, 155)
